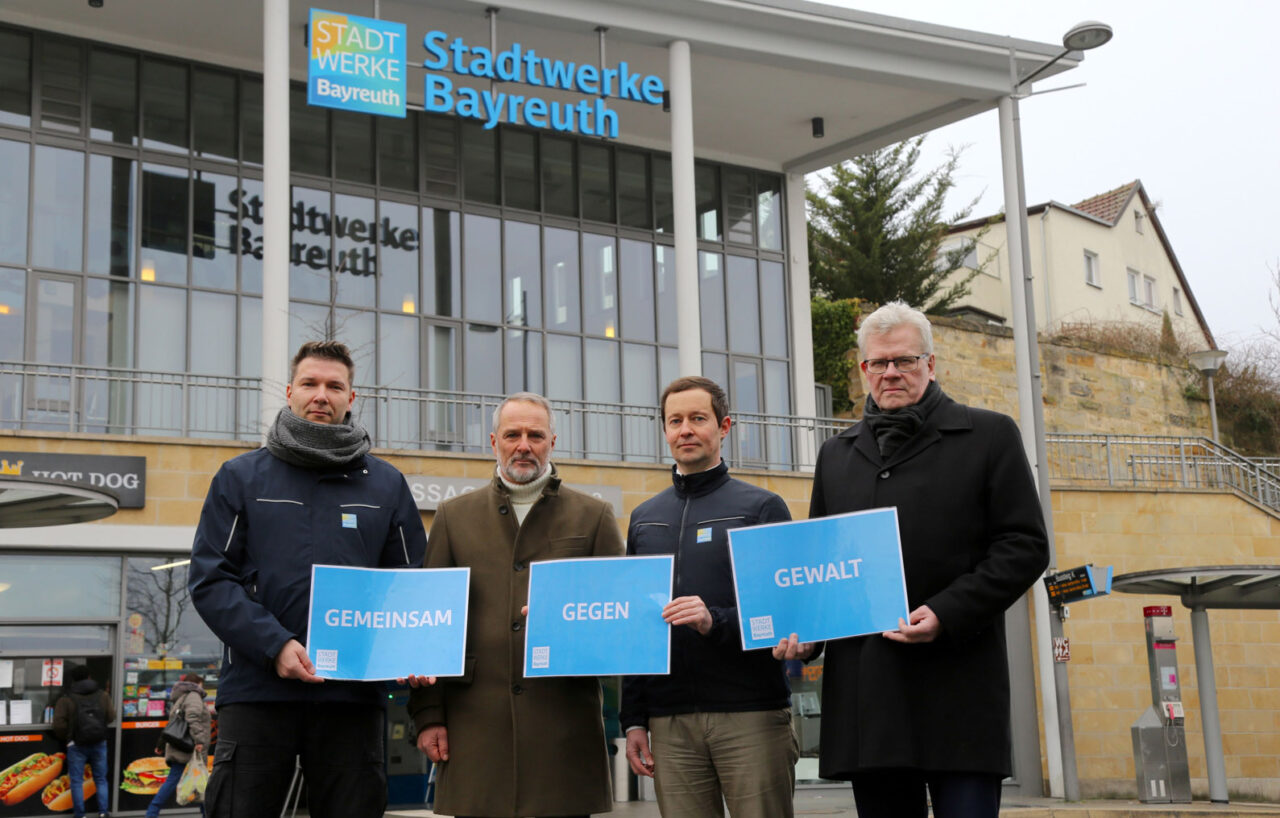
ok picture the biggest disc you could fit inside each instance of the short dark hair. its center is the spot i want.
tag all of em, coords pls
(193, 677)
(719, 401)
(78, 673)
(329, 350)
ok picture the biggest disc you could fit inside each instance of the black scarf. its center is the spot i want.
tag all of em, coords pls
(893, 427)
(300, 442)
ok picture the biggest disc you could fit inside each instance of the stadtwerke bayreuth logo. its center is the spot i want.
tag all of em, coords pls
(356, 63)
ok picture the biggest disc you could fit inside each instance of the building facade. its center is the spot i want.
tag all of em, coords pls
(146, 271)
(1106, 259)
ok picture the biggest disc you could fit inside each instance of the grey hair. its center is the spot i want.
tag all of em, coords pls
(891, 316)
(527, 397)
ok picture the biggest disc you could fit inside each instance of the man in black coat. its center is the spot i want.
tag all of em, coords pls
(927, 705)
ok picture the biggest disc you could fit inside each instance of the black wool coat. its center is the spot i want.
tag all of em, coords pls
(973, 541)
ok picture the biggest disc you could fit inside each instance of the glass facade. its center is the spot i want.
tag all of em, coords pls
(448, 256)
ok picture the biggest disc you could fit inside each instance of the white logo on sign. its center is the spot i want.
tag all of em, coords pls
(762, 627)
(542, 657)
(326, 660)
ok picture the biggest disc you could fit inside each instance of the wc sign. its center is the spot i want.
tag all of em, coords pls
(356, 63)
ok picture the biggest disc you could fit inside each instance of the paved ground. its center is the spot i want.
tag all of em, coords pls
(840, 802)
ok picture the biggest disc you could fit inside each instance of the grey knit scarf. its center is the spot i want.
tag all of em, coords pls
(300, 442)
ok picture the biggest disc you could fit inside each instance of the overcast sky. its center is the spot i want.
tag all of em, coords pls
(1186, 97)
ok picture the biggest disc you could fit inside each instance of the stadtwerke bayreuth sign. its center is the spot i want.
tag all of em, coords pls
(359, 64)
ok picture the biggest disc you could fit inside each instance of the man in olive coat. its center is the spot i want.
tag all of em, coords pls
(507, 746)
(927, 705)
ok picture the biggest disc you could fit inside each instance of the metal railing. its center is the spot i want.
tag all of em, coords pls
(107, 400)
(1144, 461)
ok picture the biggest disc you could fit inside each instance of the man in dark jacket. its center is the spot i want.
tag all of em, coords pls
(312, 496)
(80, 718)
(720, 723)
(927, 705)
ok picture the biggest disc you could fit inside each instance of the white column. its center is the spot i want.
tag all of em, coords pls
(684, 210)
(801, 324)
(276, 199)
(1015, 220)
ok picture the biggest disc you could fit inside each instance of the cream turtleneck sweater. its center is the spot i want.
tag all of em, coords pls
(524, 496)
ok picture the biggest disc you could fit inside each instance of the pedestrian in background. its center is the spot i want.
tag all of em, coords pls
(187, 699)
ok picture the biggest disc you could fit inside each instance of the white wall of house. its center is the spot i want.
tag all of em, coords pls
(1063, 245)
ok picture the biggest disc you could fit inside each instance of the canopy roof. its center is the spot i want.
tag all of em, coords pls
(28, 502)
(762, 69)
(1209, 586)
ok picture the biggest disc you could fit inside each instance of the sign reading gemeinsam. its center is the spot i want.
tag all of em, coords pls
(125, 477)
(429, 492)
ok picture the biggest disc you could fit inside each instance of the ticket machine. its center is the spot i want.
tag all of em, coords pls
(1159, 734)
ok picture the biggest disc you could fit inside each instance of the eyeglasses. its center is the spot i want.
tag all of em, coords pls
(907, 363)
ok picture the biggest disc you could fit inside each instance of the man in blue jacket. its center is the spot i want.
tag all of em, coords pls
(719, 726)
(312, 496)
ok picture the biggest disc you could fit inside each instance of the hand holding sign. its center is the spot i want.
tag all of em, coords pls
(292, 663)
(688, 610)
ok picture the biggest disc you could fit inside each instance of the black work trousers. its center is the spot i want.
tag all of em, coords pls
(900, 793)
(339, 745)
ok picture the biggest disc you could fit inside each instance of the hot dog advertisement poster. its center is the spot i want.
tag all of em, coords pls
(821, 579)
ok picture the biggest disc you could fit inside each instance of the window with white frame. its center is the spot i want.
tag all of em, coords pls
(1137, 220)
(1134, 279)
(1149, 292)
(1092, 276)
(1177, 301)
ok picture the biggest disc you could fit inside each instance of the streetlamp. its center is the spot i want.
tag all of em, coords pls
(1208, 361)
(1061, 752)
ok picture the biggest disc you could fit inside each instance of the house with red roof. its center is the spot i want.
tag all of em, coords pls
(1102, 260)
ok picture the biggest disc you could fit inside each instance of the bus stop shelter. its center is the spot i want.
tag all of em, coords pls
(1231, 587)
(29, 502)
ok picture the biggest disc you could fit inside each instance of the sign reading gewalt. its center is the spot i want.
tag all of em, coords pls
(356, 64)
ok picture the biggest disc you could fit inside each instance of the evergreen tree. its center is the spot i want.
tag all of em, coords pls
(876, 231)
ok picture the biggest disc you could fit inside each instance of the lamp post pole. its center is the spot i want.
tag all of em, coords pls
(1208, 362)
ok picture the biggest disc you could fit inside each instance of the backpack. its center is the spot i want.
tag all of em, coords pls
(89, 725)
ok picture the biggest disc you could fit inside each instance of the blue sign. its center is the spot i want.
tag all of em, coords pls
(370, 624)
(820, 579)
(356, 63)
(598, 617)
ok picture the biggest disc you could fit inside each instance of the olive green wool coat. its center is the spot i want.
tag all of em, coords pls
(517, 747)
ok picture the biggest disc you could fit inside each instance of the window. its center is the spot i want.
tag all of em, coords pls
(1092, 276)
(1149, 292)
(1177, 301)
(1133, 277)
(1137, 221)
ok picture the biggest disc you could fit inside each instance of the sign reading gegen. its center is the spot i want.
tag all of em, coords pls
(598, 617)
(356, 63)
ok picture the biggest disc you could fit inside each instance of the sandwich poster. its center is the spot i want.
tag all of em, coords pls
(371, 624)
(598, 617)
(820, 579)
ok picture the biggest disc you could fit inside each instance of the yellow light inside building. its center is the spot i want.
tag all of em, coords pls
(608, 331)
(408, 305)
(4, 309)
(148, 272)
